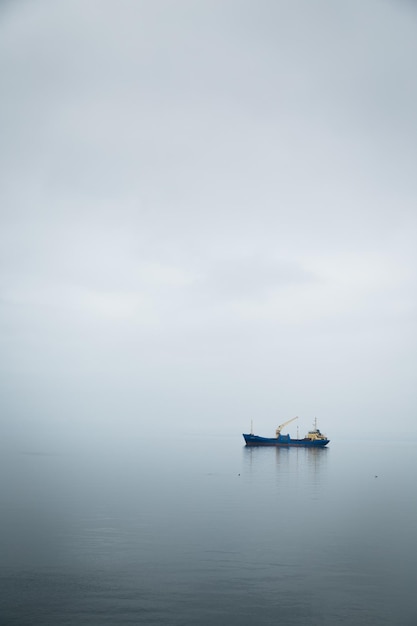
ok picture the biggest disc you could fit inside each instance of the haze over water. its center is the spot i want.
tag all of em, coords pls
(207, 216)
(205, 531)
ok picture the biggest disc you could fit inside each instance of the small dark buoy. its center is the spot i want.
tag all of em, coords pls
(376, 476)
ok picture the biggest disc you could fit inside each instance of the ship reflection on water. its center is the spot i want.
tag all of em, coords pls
(301, 470)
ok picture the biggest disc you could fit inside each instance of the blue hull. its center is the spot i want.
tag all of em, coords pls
(284, 441)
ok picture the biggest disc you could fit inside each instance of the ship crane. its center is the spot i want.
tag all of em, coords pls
(281, 426)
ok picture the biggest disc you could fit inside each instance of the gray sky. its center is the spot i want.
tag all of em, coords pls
(208, 216)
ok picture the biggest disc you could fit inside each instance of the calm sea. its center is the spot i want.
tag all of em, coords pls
(202, 531)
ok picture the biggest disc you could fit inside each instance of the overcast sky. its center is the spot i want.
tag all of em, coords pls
(208, 216)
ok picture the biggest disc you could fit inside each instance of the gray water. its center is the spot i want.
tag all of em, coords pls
(203, 531)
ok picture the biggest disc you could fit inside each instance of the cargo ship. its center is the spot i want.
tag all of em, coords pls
(313, 439)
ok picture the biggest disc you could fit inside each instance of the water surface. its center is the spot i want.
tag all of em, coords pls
(202, 531)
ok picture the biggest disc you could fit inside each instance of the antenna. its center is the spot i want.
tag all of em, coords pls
(251, 427)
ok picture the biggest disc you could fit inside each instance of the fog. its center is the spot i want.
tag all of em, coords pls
(207, 218)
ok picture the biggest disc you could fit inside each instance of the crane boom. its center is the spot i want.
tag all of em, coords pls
(281, 426)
